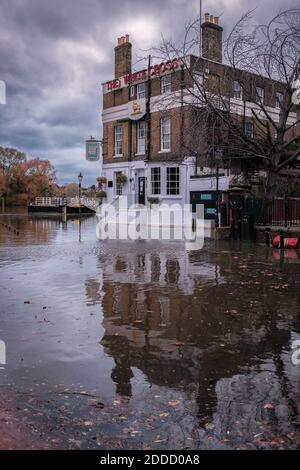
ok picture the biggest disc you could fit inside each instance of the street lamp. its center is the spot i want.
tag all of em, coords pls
(218, 160)
(80, 178)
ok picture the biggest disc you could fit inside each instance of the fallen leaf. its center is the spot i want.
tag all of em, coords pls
(164, 415)
(174, 403)
(269, 406)
(209, 426)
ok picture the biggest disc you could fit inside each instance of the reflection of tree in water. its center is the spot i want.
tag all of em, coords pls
(30, 230)
(212, 343)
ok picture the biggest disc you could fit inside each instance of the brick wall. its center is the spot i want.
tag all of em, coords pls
(220, 79)
(176, 148)
(123, 57)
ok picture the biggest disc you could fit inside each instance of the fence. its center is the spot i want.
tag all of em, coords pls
(48, 201)
(281, 212)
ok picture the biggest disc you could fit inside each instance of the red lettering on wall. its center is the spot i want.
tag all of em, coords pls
(154, 71)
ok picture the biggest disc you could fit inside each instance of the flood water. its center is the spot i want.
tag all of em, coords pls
(145, 344)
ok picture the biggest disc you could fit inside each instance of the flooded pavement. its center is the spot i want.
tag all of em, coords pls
(145, 345)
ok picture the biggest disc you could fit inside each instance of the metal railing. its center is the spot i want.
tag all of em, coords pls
(90, 202)
(48, 201)
(282, 212)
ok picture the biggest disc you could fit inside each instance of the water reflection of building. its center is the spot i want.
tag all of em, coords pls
(93, 291)
(189, 321)
(164, 267)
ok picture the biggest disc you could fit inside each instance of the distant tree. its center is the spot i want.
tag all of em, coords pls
(9, 158)
(71, 190)
(39, 178)
(18, 175)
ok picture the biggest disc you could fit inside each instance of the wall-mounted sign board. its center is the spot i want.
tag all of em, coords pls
(92, 150)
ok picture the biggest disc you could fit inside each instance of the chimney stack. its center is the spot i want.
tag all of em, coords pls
(123, 56)
(211, 38)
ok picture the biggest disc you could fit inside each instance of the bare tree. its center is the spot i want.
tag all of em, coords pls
(260, 129)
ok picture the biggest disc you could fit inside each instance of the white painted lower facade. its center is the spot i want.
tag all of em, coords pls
(135, 170)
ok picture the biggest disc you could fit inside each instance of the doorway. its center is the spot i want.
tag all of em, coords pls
(142, 188)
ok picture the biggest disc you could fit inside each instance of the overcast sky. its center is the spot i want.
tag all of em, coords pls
(55, 54)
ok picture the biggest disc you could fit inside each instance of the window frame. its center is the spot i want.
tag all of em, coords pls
(247, 134)
(175, 181)
(138, 93)
(140, 125)
(119, 187)
(166, 84)
(132, 91)
(237, 90)
(278, 103)
(118, 142)
(156, 181)
(258, 98)
(163, 134)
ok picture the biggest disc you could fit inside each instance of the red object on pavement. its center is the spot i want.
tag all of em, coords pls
(288, 242)
(276, 241)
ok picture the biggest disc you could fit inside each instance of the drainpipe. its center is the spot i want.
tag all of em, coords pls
(148, 112)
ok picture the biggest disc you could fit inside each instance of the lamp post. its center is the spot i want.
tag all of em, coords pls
(218, 160)
(80, 178)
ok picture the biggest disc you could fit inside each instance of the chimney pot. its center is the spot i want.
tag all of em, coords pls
(123, 56)
(212, 38)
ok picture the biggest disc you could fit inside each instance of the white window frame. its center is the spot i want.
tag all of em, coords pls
(156, 181)
(176, 181)
(165, 134)
(237, 90)
(119, 187)
(248, 134)
(279, 102)
(132, 91)
(118, 141)
(198, 83)
(141, 137)
(198, 79)
(141, 90)
(166, 84)
(259, 95)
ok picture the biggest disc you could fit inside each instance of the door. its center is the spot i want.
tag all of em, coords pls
(208, 199)
(142, 190)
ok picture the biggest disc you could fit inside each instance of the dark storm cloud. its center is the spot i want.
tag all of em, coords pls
(54, 56)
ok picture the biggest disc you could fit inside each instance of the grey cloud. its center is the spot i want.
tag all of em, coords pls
(54, 56)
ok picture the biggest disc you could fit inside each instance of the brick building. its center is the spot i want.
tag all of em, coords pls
(152, 147)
